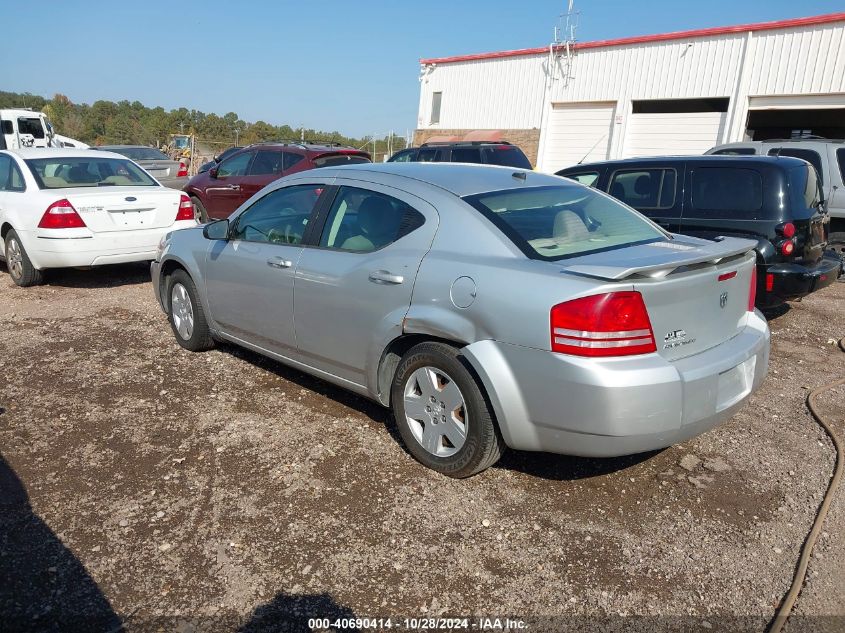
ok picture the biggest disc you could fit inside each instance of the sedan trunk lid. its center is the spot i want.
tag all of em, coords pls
(108, 209)
(696, 291)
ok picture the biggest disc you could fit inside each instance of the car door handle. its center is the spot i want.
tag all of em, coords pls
(278, 262)
(234, 187)
(385, 277)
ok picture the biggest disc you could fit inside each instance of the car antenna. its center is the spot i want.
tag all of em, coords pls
(589, 151)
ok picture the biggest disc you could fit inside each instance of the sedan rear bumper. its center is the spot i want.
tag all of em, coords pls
(608, 407)
(50, 249)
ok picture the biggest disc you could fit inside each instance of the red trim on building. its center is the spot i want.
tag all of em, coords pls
(644, 39)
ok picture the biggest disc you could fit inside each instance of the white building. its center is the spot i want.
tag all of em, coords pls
(675, 93)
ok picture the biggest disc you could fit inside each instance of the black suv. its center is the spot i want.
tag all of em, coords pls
(776, 201)
(483, 152)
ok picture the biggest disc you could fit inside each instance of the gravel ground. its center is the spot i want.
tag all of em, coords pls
(223, 491)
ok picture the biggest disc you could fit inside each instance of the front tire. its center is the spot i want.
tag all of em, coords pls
(442, 414)
(21, 270)
(200, 214)
(185, 313)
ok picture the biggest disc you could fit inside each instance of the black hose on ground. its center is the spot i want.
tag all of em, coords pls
(806, 551)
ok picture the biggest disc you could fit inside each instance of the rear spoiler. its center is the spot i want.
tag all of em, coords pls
(660, 259)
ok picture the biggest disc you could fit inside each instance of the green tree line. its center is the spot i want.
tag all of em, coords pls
(125, 122)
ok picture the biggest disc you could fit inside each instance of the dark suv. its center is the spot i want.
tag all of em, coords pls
(775, 201)
(483, 152)
(217, 192)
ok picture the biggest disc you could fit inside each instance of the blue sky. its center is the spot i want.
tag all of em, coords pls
(350, 66)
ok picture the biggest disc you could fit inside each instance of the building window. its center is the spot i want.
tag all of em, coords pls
(436, 98)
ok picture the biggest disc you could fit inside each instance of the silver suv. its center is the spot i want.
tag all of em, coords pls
(487, 306)
(827, 156)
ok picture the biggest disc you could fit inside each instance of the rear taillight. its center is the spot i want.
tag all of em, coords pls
(183, 170)
(610, 324)
(770, 282)
(61, 215)
(186, 209)
(752, 290)
(787, 230)
(787, 248)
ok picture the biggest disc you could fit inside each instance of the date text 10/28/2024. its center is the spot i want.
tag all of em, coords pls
(418, 624)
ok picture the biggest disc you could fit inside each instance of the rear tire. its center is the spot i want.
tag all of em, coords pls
(21, 270)
(200, 214)
(185, 313)
(442, 414)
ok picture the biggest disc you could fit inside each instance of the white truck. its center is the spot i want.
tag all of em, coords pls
(28, 128)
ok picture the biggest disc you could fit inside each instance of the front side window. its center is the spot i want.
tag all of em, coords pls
(466, 155)
(88, 171)
(280, 217)
(31, 126)
(405, 156)
(11, 178)
(267, 162)
(644, 188)
(564, 221)
(724, 192)
(587, 178)
(809, 155)
(364, 221)
(234, 166)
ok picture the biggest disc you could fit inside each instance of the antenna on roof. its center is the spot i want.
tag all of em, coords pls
(562, 48)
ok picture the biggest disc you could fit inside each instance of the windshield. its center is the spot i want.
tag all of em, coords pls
(87, 171)
(563, 221)
(138, 153)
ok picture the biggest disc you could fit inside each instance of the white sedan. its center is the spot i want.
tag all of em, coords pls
(65, 208)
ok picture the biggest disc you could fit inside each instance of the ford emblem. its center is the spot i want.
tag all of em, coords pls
(131, 198)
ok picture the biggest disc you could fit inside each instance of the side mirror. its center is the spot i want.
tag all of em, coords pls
(213, 172)
(217, 230)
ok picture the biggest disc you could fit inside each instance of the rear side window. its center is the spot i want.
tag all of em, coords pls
(335, 160)
(722, 192)
(645, 188)
(506, 156)
(588, 178)
(31, 126)
(812, 190)
(405, 156)
(840, 158)
(809, 155)
(11, 178)
(266, 162)
(736, 151)
(429, 155)
(365, 221)
(466, 155)
(556, 222)
(292, 159)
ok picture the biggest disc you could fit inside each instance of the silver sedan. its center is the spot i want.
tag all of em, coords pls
(487, 307)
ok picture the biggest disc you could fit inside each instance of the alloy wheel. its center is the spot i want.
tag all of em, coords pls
(14, 258)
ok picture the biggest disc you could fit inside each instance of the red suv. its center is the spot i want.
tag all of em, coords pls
(217, 192)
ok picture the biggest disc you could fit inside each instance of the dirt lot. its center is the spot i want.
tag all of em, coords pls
(222, 491)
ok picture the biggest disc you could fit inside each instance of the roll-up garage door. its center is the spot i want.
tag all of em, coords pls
(675, 126)
(577, 132)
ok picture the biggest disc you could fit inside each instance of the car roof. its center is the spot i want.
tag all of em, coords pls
(306, 146)
(461, 179)
(781, 141)
(124, 147)
(708, 158)
(62, 152)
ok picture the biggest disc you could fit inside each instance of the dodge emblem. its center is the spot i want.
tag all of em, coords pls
(723, 299)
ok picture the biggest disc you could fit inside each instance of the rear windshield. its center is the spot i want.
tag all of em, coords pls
(64, 172)
(506, 156)
(564, 221)
(138, 153)
(334, 160)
